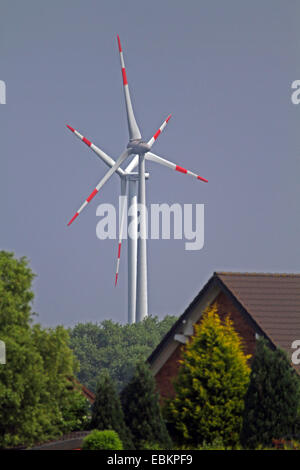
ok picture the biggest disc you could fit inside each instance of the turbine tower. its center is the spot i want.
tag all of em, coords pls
(137, 243)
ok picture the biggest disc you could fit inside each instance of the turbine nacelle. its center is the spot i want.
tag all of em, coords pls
(138, 146)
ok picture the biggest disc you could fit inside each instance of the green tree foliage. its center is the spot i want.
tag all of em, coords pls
(102, 440)
(75, 409)
(142, 412)
(272, 399)
(107, 412)
(210, 386)
(69, 407)
(115, 347)
(15, 292)
(36, 397)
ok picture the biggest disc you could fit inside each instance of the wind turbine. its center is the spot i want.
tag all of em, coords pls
(137, 263)
(128, 182)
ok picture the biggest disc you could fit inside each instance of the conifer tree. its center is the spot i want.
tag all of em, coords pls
(107, 413)
(210, 386)
(142, 411)
(272, 398)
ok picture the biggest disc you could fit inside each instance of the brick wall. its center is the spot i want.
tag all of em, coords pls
(225, 306)
(167, 373)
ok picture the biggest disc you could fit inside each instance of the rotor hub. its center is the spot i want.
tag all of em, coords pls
(138, 146)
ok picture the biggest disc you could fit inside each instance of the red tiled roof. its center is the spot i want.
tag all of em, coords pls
(272, 300)
(88, 394)
(84, 390)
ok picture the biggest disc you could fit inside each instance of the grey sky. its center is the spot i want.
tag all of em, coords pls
(224, 71)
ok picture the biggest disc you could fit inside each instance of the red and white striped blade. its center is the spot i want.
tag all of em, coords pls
(153, 139)
(106, 177)
(104, 157)
(121, 227)
(133, 164)
(155, 158)
(134, 132)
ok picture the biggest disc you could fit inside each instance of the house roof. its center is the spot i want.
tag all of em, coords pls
(271, 301)
(70, 441)
(88, 394)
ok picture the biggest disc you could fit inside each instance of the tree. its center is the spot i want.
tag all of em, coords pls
(210, 385)
(22, 380)
(68, 407)
(15, 292)
(142, 411)
(115, 347)
(22, 390)
(75, 409)
(107, 412)
(36, 397)
(272, 399)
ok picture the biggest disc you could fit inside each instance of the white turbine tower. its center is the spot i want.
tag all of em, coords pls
(137, 243)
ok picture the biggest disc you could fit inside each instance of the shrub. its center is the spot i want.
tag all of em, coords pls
(102, 440)
(210, 387)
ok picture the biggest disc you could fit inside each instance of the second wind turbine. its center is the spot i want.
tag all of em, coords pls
(141, 151)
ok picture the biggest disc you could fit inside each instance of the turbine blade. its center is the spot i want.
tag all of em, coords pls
(123, 211)
(151, 141)
(106, 177)
(134, 132)
(104, 157)
(155, 158)
(133, 164)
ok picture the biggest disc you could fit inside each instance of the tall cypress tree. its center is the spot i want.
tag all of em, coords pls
(142, 410)
(272, 398)
(210, 386)
(107, 413)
